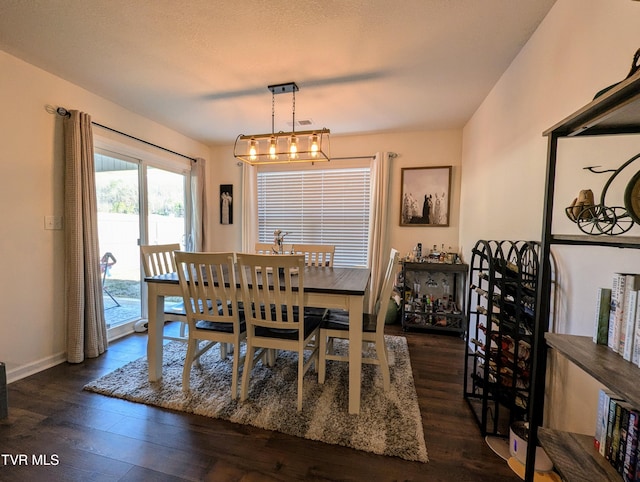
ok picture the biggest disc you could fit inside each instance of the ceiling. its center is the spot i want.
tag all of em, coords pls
(202, 67)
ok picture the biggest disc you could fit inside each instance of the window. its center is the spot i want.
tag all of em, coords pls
(328, 206)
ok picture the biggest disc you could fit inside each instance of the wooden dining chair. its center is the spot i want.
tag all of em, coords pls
(316, 254)
(268, 248)
(158, 259)
(336, 325)
(273, 300)
(208, 284)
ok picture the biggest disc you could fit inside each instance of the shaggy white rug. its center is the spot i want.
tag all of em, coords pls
(388, 424)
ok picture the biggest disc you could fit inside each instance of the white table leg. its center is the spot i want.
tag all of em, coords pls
(155, 330)
(356, 306)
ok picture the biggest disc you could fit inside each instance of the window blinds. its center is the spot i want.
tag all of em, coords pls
(328, 206)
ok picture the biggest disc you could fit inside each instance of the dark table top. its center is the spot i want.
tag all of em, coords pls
(345, 281)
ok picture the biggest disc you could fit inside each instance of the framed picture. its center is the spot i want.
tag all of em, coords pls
(425, 196)
(226, 205)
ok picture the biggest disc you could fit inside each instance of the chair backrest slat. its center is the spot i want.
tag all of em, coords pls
(316, 254)
(208, 284)
(270, 248)
(384, 297)
(158, 259)
(272, 289)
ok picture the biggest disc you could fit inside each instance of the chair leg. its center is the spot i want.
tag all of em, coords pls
(223, 351)
(272, 354)
(322, 360)
(248, 366)
(383, 357)
(236, 372)
(197, 350)
(300, 378)
(111, 296)
(192, 345)
(183, 326)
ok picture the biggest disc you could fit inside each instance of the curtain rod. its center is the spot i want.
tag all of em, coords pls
(393, 155)
(61, 111)
(351, 157)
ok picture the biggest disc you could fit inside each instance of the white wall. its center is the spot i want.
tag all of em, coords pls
(414, 149)
(580, 47)
(32, 326)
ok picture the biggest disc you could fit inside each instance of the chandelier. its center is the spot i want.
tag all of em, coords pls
(283, 147)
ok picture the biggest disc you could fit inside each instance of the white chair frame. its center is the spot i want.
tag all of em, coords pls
(159, 259)
(316, 254)
(369, 336)
(208, 284)
(269, 311)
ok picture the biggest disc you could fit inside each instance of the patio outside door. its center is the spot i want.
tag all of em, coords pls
(137, 204)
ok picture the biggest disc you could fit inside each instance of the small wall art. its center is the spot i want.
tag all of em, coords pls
(226, 203)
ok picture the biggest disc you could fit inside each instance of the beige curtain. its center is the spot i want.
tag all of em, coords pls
(86, 327)
(249, 208)
(378, 227)
(197, 238)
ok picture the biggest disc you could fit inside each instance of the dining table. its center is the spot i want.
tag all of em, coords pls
(342, 288)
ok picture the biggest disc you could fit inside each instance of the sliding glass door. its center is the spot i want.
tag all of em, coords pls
(137, 204)
(166, 207)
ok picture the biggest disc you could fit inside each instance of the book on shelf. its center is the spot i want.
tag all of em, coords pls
(602, 418)
(631, 455)
(617, 294)
(601, 325)
(627, 345)
(615, 433)
(631, 283)
(611, 416)
(635, 357)
(625, 409)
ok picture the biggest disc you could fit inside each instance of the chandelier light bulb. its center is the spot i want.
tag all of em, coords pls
(314, 145)
(272, 147)
(293, 146)
(253, 149)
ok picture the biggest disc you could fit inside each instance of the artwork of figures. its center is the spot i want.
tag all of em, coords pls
(425, 196)
(226, 206)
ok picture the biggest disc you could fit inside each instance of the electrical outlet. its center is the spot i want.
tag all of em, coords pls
(53, 222)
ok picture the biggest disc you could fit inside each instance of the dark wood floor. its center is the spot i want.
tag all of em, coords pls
(89, 437)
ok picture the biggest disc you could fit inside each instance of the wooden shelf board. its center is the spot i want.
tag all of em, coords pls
(599, 361)
(436, 267)
(616, 111)
(602, 240)
(575, 458)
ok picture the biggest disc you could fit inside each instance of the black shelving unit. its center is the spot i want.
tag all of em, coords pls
(433, 297)
(613, 113)
(503, 283)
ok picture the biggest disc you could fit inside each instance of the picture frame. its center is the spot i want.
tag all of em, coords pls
(425, 196)
(226, 203)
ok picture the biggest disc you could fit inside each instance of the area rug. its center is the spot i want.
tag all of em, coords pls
(388, 424)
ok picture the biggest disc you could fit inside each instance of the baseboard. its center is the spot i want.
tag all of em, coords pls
(35, 367)
(39, 365)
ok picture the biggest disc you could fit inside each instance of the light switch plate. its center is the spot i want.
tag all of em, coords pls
(53, 222)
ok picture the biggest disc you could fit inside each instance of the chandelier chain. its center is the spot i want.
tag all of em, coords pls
(273, 112)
